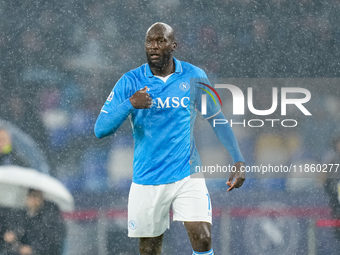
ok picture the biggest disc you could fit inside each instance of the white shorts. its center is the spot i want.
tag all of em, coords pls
(149, 205)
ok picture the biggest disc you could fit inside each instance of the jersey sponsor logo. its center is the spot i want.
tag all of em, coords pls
(184, 86)
(172, 102)
(132, 224)
(110, 96)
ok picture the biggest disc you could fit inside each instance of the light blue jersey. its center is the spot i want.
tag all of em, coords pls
(163, 134)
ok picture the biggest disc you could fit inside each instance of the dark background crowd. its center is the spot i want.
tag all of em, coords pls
(60, 59)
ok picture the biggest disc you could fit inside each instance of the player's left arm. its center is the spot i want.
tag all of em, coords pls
(224, 133)
(227, 137)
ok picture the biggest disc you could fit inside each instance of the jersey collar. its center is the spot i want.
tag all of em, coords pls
(178, 68)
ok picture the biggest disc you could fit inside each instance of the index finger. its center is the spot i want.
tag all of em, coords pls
(231, 187)
(229, 181)
(237, 183)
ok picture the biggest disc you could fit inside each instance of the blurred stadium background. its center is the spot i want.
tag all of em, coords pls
(60, 59)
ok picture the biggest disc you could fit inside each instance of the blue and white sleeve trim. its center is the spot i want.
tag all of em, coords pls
(211, 252)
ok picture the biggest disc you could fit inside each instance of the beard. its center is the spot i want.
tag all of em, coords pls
(161, 62)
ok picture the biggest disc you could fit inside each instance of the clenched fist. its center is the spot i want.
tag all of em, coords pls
(141, 99)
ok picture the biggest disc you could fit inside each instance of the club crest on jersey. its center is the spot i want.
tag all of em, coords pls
(132, 224)
(110, 96)
(184, 86)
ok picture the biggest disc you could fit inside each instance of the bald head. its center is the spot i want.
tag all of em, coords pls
(160, 27)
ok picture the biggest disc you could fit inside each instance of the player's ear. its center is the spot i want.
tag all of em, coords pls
(174, 45)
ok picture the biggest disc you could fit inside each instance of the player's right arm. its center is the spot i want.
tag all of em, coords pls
(120, 103)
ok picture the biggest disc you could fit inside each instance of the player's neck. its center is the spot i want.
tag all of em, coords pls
(164, 71)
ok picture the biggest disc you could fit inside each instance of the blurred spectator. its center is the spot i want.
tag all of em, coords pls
(7, 154)
(3, 228)
(42, 229)
(9, 223)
